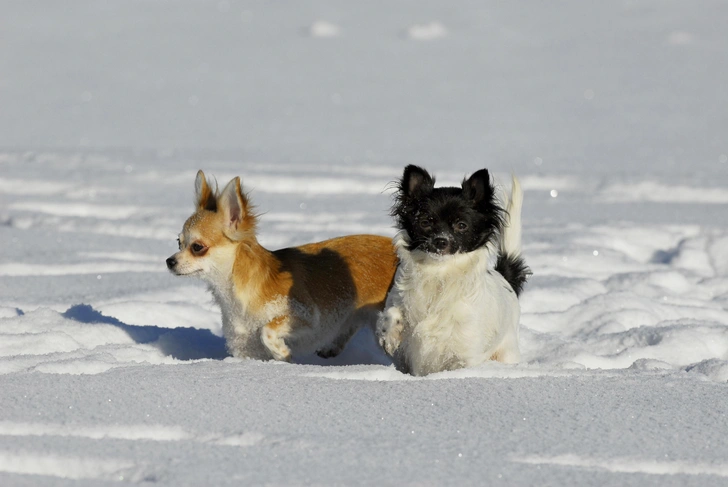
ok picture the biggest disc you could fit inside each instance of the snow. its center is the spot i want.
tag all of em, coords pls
(426, 32)
(113, 370)
(321, 28)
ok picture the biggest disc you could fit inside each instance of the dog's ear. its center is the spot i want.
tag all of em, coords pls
(235, 206)
(477, 187)
(204, 195)
(416, 181)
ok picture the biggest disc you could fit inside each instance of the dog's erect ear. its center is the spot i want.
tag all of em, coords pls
(416, 181)
(477, 187)
(234, 206)
(204, 195)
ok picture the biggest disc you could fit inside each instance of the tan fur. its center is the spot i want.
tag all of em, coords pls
(289, 301)
(204, 195)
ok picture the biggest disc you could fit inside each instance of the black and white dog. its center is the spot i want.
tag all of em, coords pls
(454, 302)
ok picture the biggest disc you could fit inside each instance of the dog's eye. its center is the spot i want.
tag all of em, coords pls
(198, 248)
(179, 243)
(426, 224)
(461, 226)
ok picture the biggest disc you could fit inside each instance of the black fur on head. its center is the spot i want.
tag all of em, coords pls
(447, 220)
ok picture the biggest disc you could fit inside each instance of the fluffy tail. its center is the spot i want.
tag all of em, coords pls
(510, 263)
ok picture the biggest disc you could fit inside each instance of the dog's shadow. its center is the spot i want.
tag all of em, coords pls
(179, 343)
(195, 344)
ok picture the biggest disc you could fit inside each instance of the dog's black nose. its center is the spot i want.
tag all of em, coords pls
(440, 243)
(171, 262)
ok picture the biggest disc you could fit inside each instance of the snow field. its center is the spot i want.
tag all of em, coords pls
(636, 307)
(113, 371)
(608, 296)
(243, 421)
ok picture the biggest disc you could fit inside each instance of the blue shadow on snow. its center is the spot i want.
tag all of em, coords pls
(180, 343)
(194, 344)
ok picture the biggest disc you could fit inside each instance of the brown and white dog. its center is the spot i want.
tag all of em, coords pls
(287, 302)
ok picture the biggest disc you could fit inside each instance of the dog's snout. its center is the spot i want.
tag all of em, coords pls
(171, 262)
(440, 243)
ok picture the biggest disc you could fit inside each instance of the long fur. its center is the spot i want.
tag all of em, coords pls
(449, 308)
(476, 201)
(277, 304)
(510, 264)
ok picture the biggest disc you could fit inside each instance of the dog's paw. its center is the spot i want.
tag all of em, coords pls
(328, 352)
(273, 341)
(389, 329)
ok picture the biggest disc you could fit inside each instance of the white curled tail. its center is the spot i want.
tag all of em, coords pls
(511, 242)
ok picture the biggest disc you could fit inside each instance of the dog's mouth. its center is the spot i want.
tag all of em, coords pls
(180, 273)
(191, 273)
(434, 248)
(435, 253)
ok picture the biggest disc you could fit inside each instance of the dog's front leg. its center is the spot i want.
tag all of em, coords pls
(272, 335)
(390, 325)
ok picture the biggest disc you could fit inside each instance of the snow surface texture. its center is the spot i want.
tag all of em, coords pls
(612, 114)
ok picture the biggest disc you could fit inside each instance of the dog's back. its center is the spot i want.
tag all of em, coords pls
(347, 269)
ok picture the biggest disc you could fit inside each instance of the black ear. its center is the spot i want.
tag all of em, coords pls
(477, 187)
(416, 181)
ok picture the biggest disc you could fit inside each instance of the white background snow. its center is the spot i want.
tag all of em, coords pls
(614, 114)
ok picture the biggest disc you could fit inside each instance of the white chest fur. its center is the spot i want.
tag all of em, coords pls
(241, 327)
(456, 312)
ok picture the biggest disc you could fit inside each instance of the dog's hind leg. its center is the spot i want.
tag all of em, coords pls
(348, 329)
(365, 316)
(508, 352)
